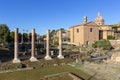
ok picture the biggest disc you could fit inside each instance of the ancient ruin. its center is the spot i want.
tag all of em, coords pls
(32, 59)
(60, 56)
(47, 57)
(16, 59)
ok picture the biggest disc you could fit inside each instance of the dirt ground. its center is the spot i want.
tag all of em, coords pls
(102, 71)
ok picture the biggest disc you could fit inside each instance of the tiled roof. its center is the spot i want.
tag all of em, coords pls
(86, 24)
(91, 24)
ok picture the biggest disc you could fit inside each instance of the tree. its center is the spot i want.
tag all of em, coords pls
(4, 33)
(30, 37)
(52, 33)
(11, 36)
(62, 29)
(115, 28)
(110, 37)
(25, 37)
(19, 37)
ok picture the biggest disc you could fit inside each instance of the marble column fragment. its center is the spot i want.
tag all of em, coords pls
(16, 45)
(48, 57)
(33, 58)
(60, 56)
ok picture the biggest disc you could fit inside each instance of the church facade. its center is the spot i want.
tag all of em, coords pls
(88, 32)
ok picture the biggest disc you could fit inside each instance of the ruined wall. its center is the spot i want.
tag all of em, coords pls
(115, 44)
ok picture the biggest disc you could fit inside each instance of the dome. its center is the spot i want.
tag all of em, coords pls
(99, 19)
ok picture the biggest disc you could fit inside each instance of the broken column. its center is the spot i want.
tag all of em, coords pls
(47, 57)
(60, 56)
(32, 59)
(16, 51)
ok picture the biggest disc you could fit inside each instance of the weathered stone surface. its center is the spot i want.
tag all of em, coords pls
(115, 57)
(47, 57)
(115, 44)
(60, 56)
(16, 59)
(32, 59)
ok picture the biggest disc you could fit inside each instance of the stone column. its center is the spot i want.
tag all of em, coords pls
(16, 51)
(47, 57)
(60, 56)
(32, 59)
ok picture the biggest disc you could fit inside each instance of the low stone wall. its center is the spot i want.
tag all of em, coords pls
(115, 57)
(14, 70)
(74, 77)
(64, 73)
(115, 44)
(48, 76)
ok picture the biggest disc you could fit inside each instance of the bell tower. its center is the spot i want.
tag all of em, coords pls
(85, 19)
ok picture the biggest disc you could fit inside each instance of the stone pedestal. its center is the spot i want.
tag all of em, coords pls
(60, 56)
(76, 60)
(16, 59)
(47, 57)
(32, 59)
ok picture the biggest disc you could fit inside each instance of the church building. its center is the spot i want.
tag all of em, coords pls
(88, 32)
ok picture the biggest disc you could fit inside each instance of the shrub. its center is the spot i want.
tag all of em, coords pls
(110, 37)
(104, 44)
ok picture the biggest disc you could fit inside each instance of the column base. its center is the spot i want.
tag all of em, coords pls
(76, 60)
(16, 60)
(48, 58)
(60, 56)
(33, 59)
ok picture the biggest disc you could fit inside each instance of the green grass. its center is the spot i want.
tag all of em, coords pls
(61, 77)
(38, 73)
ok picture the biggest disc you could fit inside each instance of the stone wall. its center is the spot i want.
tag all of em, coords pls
(115, 44)
(115, 57)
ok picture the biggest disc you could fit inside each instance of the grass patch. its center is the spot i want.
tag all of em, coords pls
(38, 73)
(61, 77)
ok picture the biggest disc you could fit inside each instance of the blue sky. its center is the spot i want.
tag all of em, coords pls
(55, 14)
